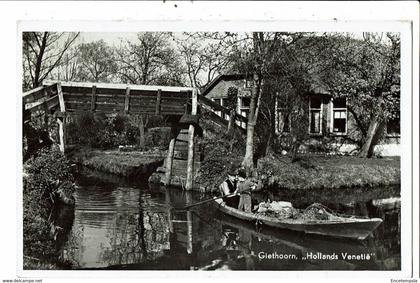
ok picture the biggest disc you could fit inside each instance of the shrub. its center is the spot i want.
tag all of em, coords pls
(159, 136)
(38, 186)
(131, 134)
(85, 129)
(118, 123)
(34, 139)
(104, 132)
(223, 155)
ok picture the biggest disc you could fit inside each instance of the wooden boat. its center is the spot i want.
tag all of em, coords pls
(342, 226)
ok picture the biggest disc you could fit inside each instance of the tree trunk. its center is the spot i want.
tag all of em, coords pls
(268, 148)
(373, 135)
(295, 149)
(142, 137)
(231, 124)
(37, 72)
(374, 132)
(248, 161)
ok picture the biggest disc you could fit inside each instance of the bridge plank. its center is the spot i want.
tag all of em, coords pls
(37, 93)
(109, 107)
(71, 106)
(158, 98)
(127, 100)
(217, 107)
(77, 96)
(110, 100)
(49, 103)
(52, 102)
(93, 99)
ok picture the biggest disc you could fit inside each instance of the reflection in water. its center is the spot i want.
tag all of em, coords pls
(130, 227)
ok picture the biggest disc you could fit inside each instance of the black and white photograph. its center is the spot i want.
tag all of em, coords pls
(211, 150)
(216, 147)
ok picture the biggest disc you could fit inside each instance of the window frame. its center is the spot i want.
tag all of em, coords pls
(241, 108)
(312, 109)
(249, 83)
(281, 115)
(219, 113)
(336, 109)
(392, 134)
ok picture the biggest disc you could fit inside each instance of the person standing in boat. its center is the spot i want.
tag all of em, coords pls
(244, 188)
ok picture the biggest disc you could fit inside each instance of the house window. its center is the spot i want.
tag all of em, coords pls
(339, 125)
(393, 127)
(315, 113)
(249, 83)
(283, 122)
(220, 102)
(244, 104)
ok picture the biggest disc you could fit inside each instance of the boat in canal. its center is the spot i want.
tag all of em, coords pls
(340, 226)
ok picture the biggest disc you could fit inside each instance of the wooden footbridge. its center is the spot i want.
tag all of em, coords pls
(181, 106)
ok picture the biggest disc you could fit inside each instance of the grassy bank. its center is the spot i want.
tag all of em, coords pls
(317, 172)
(309, 171)
(127, 164)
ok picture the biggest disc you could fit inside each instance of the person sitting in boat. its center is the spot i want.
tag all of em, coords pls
(244, 188)
(228, 187)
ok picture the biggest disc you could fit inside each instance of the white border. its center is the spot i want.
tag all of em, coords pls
(234, 16)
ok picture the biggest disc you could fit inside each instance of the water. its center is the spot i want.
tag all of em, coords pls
(124, 226)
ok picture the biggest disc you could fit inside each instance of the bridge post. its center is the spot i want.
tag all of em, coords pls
(191, 129)
(46, 111)
(62, 119)
(170, 158)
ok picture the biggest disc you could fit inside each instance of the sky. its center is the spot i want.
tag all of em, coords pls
(112, 38)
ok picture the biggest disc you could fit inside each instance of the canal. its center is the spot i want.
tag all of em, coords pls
(119, 225)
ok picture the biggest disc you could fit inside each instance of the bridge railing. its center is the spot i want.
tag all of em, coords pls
(39, 97)
(130, 99)
(213, 108)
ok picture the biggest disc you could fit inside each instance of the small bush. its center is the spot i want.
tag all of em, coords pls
(38, 186)
(110, 132)
(223, 154)
(34, 139)
(159, 136)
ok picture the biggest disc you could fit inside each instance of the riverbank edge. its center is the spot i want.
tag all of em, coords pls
(314, 172)
(331, 172)
(310, 172)
(127, 164)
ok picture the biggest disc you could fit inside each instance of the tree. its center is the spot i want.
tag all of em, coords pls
(253, 55)
(42, 53)
(149, 60)
(367, 72)
(97, 63)
(295, 74)
(69, 68)
(205, 55)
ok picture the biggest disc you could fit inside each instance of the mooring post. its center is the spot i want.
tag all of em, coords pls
(170, 158)
(188, 199)
(191, 128)
(60, 122)
(62, 119)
